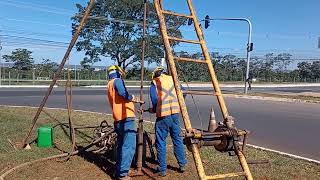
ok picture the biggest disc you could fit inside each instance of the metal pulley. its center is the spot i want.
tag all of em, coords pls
(226, 141)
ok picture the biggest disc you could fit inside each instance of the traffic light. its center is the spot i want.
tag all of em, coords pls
(206, 21)
(189, 21)
(250, 47)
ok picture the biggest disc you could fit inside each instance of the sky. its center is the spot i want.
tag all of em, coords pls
(290, 26)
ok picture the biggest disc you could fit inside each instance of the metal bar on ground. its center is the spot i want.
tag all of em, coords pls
(59, 70)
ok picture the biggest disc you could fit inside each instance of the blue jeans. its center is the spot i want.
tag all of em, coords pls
(164, 125)
(126, 145)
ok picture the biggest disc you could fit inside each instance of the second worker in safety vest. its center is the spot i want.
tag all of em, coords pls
(122, 106)
(166, 106)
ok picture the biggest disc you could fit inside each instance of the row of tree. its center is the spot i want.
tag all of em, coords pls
(23, 63)
(269, 68)
(23, 67)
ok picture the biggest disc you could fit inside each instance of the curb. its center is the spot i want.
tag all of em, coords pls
(250, 145)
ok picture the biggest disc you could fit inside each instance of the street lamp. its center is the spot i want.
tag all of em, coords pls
(249, 43)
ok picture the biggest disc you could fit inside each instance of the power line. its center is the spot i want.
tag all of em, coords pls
(50, 9)
(35, 39)
(38, 4)
(32, 33)
(35, 7)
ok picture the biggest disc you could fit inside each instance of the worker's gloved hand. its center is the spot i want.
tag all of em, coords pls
(136, 100)
(150, 110)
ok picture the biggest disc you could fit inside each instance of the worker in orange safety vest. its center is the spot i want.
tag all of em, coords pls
(122, 105)
(165, 105)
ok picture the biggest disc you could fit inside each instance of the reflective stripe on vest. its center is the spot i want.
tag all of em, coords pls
(167, 98)
(121, 108)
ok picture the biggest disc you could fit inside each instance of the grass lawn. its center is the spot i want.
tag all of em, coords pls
(14, 122)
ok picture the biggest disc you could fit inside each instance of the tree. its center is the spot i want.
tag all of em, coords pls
(116, 32)
(315, 68)
(304, 69)
(282, 61)
(22, 60)
(46, 68)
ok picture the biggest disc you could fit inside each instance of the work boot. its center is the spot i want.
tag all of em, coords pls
(160, 173)
(182, 169)
(124, 178)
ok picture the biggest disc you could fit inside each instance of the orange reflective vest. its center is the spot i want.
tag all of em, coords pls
(167, 98)
(121, 108)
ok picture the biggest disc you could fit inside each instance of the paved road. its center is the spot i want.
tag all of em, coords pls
(289, 127)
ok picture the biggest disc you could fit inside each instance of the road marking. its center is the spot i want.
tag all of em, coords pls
(250, 145)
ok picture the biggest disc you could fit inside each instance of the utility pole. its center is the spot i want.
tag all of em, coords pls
(249, 43)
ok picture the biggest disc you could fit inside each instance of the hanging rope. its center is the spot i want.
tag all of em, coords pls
(68, 95)
(193, 100)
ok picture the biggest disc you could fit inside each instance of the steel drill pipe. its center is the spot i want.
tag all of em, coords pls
(140, 125)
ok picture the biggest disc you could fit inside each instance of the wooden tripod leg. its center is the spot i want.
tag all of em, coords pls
(59, 70)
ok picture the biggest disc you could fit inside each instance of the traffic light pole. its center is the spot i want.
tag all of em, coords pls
(249, 44)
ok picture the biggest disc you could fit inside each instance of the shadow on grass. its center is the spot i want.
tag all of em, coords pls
(106, 162)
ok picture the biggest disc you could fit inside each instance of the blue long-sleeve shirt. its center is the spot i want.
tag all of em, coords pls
(119, 86)
(154, 95)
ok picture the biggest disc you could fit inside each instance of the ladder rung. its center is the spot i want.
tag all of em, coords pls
(199, 93)
(229, 175)
(177, 14)
(189, 59)
(184, 40)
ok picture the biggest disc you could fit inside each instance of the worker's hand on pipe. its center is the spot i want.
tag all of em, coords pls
(136, 100)
(150, 110)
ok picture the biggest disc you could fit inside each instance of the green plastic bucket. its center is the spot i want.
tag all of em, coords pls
(45, 136)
